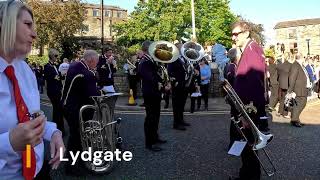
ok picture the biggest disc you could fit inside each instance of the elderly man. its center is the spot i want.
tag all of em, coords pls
(250, 87)
(76, 93)
(299, 83)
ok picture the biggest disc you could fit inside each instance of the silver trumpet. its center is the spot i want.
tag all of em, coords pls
(260, 140)
(100, 132)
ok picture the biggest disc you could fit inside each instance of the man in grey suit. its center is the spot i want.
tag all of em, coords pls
(298, 84)
(283, 79)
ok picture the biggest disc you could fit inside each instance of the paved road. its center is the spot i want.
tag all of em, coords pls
(201, 151)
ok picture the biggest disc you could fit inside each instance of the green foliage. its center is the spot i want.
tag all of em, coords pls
(41, 60)
(270, 52)
(171, 20)
(57, 22)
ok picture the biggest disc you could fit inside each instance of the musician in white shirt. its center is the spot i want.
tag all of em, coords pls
(17, 34)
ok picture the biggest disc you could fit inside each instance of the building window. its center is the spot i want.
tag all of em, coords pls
(119, 14)
(292, 34)
(293, 47)
(107, 13)
(95, 12)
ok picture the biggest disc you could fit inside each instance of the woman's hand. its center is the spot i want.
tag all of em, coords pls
(30, 132)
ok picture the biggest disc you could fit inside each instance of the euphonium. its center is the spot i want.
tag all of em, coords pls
(99, 131)
(97, 128)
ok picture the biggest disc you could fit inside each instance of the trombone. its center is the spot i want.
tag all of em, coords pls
(260, 140)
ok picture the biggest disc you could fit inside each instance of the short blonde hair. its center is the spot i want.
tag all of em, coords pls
(9, 13)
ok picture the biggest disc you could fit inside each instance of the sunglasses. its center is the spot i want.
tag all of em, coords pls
(236, 33)
(56, 55)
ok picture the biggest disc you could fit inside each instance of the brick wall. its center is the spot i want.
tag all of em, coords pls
(122, 85)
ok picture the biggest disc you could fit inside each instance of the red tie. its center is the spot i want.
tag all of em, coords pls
(22, 112)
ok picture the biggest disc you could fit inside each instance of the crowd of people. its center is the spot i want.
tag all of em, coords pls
(292, 74)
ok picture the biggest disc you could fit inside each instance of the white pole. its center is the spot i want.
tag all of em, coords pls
(193, 21)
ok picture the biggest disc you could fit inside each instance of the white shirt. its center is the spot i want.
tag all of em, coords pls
(63, 68)
(10, 161)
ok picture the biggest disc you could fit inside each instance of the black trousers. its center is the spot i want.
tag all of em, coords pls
(250, 169)
(274, 98)
(204, 89)
(133, 80)
(178, 103)
(57, 111)
(282, 109)
(151, 123)
(297, 109)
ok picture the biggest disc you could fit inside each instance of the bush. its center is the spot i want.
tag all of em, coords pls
(41, 60)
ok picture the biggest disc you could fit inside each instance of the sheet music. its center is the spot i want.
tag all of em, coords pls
(237, 148)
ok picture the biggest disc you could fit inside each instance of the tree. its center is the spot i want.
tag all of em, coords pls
(171, 20)
(57, 22)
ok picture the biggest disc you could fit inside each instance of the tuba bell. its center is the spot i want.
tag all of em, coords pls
(163, 52)
(192, 53)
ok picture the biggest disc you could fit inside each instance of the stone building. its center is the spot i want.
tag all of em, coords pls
(298, 34)
(111, 14)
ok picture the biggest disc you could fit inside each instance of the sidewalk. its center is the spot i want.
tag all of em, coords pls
(214, 104)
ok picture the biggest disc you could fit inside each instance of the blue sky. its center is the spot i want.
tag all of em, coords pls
(266, 12)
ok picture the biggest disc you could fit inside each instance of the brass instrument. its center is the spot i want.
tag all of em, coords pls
(192, 53)
(260, 140)
(163, 52)
(101, 133)
(131, 67)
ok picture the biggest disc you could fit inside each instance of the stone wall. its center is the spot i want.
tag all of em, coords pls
(303, 33)
(121, 84)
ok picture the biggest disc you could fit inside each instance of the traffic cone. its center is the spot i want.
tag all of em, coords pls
(131, 99)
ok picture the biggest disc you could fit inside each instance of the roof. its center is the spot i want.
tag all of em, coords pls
(302, 22)
(87, 5)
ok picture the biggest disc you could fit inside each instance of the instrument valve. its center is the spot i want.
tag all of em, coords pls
(119, 120)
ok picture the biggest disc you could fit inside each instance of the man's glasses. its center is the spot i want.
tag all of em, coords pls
(236, 33)
(56, 56)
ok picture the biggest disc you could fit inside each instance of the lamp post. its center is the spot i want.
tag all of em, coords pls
(102, 29)
(193, 21)
(308, 43)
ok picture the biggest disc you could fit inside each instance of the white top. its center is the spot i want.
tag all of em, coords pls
(63, 68)
(10, 161)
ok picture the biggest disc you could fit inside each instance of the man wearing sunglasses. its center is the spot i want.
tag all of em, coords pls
(249, 84)
(54, 88)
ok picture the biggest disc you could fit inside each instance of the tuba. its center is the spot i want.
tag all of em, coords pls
(163, 52)
(260, 140)
(192, 53)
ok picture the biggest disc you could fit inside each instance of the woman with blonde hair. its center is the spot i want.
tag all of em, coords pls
(21, 130)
